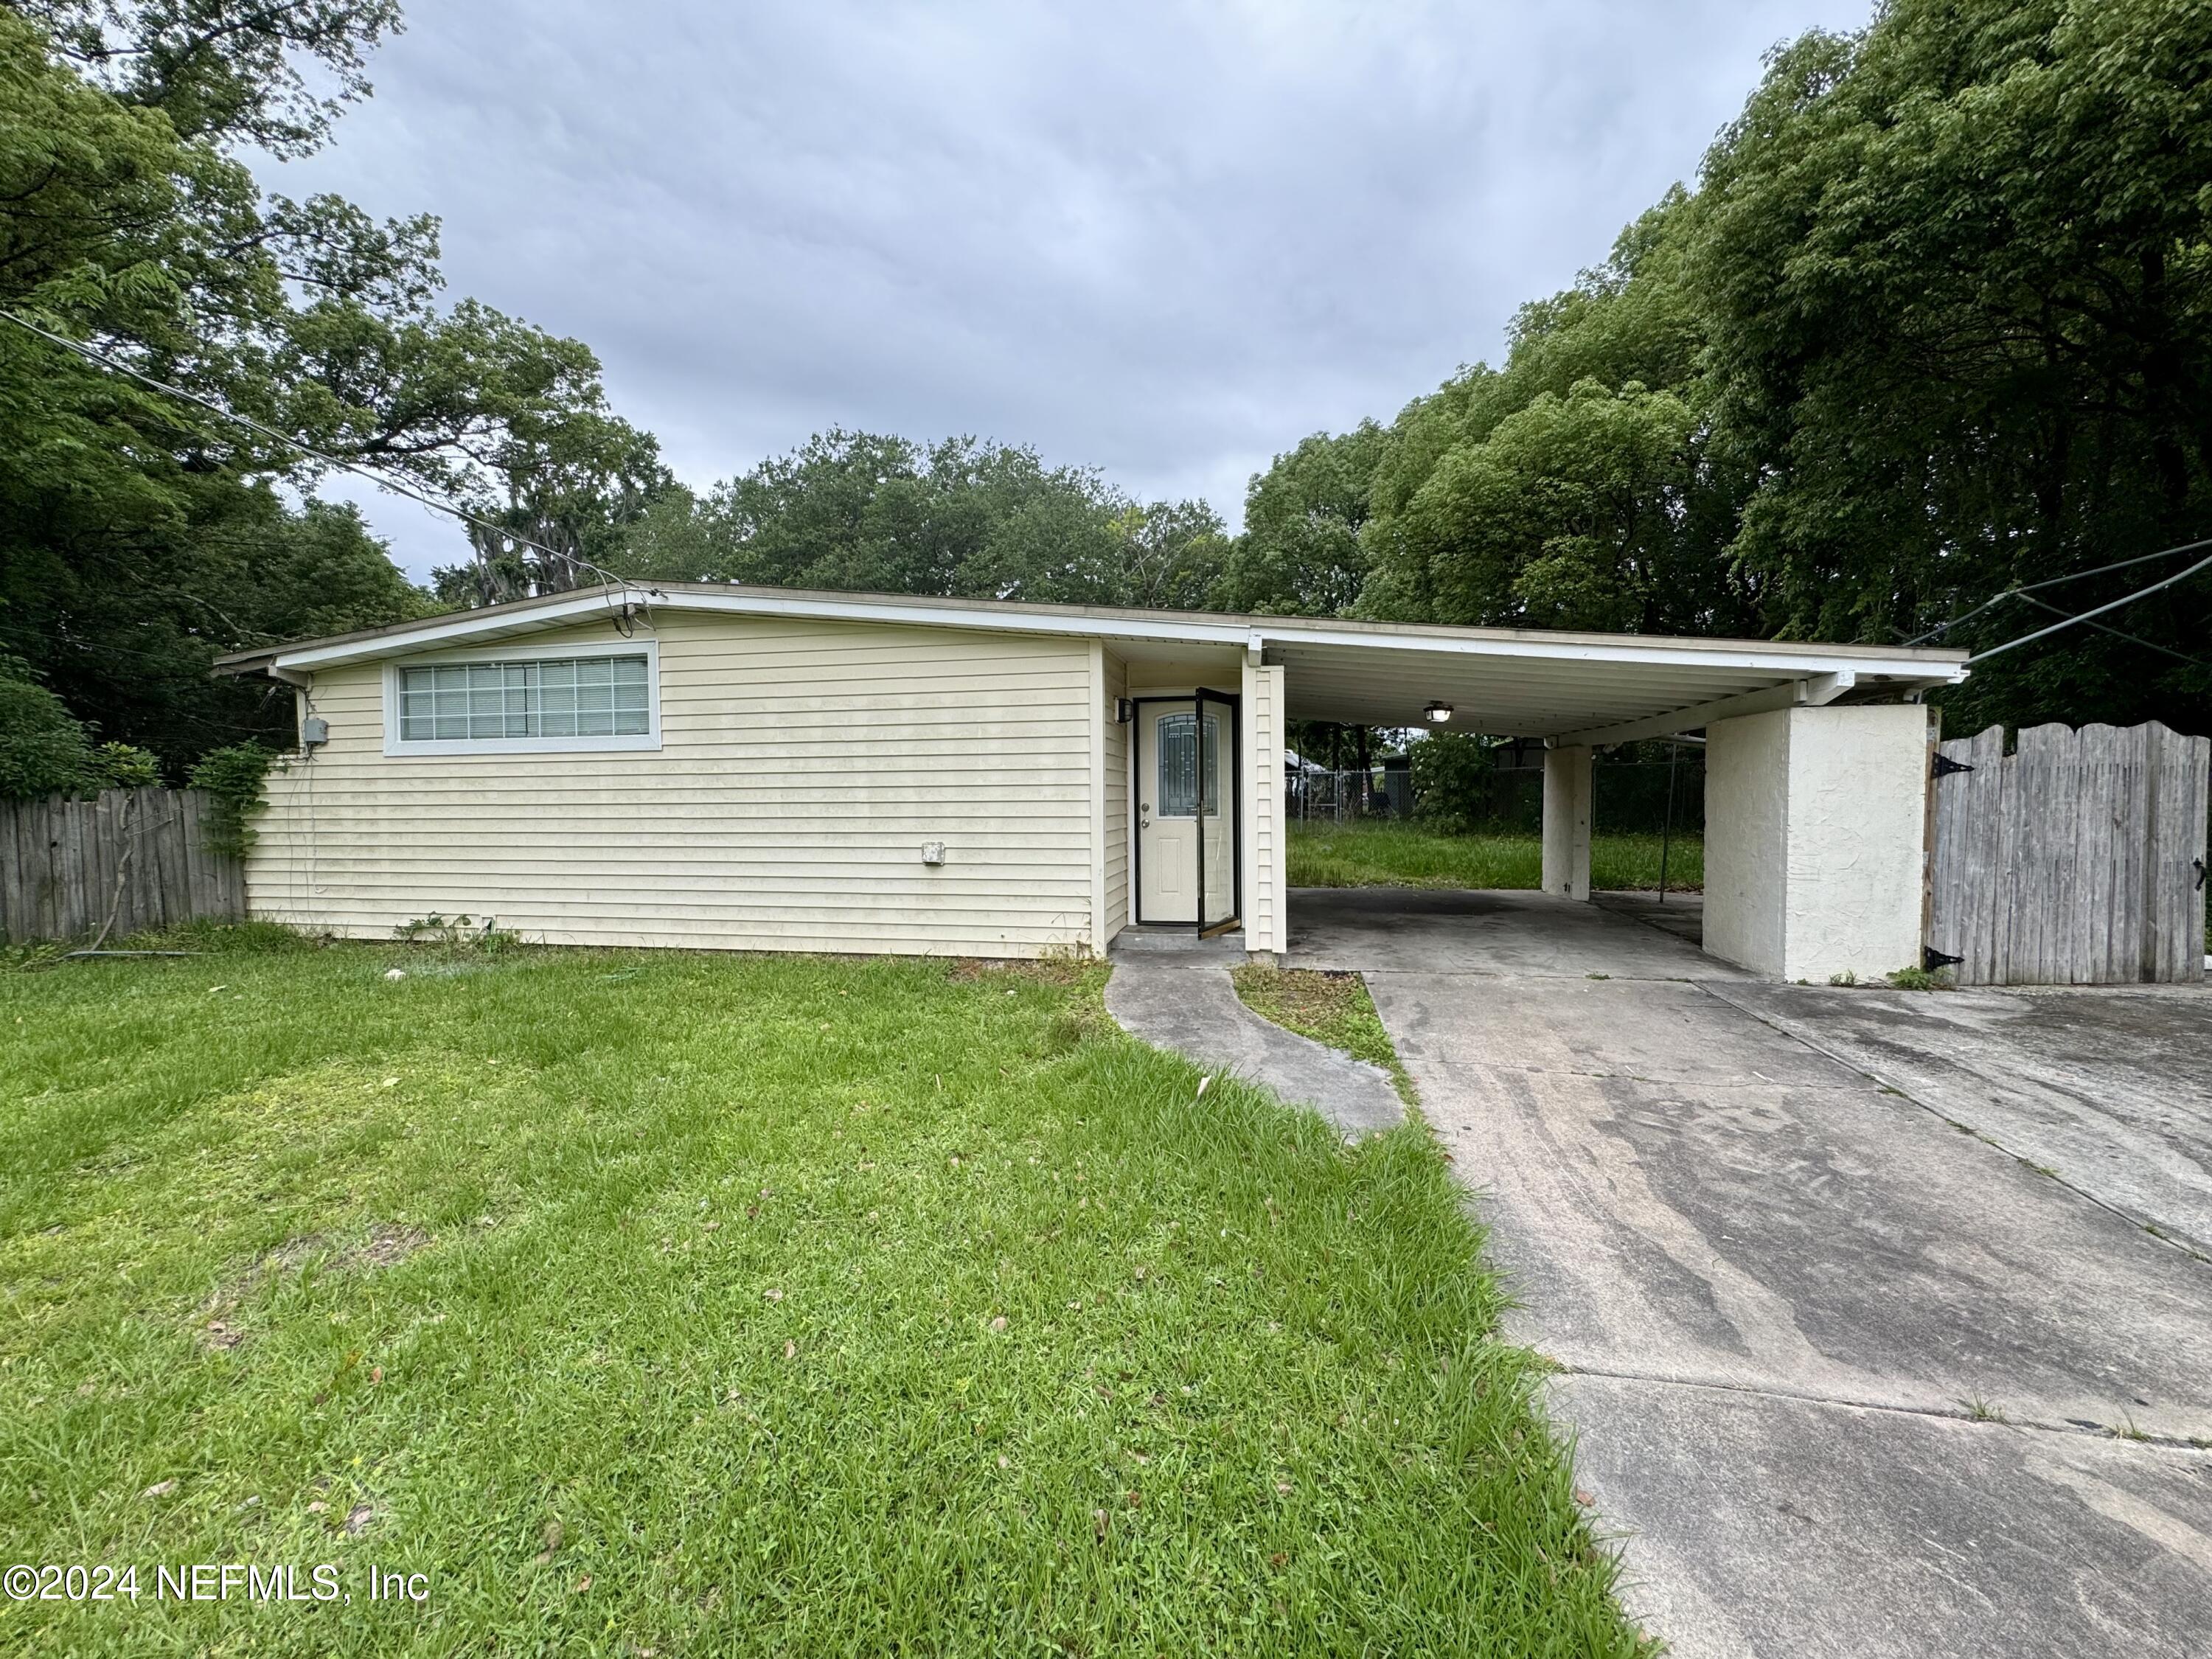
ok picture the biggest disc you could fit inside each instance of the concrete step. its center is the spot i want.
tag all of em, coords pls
(1177, 942)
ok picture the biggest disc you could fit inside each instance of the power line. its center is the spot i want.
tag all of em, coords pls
(1943, 628)
(2086, 615)
(575, 562)
(2132, 639)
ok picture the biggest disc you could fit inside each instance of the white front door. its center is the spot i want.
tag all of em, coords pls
(1186, 819)
(1167, 812)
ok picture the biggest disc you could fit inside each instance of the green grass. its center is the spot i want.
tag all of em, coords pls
(1329, 1006)
(684, 1304)
(1414, 855)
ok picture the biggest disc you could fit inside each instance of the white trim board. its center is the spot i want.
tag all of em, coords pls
(1785, 660)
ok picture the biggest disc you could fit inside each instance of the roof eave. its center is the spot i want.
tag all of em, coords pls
(1784, 660)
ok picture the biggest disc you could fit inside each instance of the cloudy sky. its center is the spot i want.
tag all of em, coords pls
(1163, 240)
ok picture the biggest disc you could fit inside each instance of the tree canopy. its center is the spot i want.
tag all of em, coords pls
(1934, 324)
(858, 511)
(141, 535)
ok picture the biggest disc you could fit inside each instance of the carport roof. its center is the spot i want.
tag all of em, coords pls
(1529, 683)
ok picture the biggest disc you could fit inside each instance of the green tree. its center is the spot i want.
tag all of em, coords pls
(1579, 486)
(1935, 324)
(576, 485)
(864, 511)
(1587, 510)
(141, 535)
(1170, 555)
(219, 68)
(1301, 553)
(852, 511)
(1956, 274)
(46, 750)
(1450, 777)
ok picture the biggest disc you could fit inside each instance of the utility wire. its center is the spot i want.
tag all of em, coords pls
(2132, 639)
(91, 354)
(1943, 628)
(2129, 599)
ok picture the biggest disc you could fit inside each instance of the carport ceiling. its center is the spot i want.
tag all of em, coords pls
(1592, 687)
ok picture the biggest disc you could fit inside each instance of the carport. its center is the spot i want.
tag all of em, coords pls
(1816, 762)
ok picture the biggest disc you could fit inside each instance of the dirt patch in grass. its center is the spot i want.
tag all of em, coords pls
(1331, 1006)
(386, 1246)
(1060, 972)
(1076, 1019)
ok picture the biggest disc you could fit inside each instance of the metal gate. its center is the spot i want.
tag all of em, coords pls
(2078, 860)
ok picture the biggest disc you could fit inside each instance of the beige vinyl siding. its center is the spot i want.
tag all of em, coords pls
(802, 766)
(1118, 800)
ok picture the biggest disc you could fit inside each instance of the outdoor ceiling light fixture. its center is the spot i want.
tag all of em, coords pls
(1438, 713)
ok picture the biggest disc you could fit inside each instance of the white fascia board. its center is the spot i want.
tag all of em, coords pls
(1244, 632)
(1813, 692)
(442, 631)
(1800, 664)
(950, 613)
(460, 629)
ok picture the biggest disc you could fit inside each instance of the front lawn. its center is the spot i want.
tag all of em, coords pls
(1388, 854)
(652, 1305)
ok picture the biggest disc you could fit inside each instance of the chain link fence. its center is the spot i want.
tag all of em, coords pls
(1628, 797)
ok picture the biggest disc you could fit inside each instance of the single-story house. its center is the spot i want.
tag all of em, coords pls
(717, 766)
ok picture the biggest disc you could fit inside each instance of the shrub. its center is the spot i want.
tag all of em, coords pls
(122, 766)
(46, 750)
(233, 779)
(1449, 772)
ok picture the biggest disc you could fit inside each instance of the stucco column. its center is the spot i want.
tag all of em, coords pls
(1815, 832)
(1567, 822)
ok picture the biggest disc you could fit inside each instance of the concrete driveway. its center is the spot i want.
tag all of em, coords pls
(1884, 1322)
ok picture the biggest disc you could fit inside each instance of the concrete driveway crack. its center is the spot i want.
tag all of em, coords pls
(1718, 990)
(2040, 1425)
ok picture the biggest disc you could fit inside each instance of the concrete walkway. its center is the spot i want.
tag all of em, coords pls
(1844, 1378)
(1185, 1001)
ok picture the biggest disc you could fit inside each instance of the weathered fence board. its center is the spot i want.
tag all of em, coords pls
(2077, 859)
(2181, 786)
(139, 855)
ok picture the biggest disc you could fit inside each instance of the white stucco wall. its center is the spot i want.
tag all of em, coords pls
(1567, 804)
(1858, 825)
(1746, 832)
(1815, 827)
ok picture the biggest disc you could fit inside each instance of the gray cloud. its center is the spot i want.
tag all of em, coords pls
(1168, 240)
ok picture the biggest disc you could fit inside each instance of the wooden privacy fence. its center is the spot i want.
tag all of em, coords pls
(139, 855)
(2078, 861)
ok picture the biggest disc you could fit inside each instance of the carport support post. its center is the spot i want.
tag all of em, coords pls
(1567, 822)
(1816, 826)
